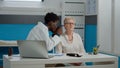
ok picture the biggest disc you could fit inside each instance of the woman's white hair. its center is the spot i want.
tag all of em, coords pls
(68, 18)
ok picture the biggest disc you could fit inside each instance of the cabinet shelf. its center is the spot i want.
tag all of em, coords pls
(67, 14)
(78, 28)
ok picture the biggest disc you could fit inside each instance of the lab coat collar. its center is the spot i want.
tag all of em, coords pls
(42, 25)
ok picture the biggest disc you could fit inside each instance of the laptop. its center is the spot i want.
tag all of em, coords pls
(33, 49)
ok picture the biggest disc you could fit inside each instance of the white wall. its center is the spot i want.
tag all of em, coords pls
(116, 27)
(108, 26)
(104, 25)
(53, 3)
(32, 8)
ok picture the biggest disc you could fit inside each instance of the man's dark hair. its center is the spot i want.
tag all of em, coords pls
(51, 17)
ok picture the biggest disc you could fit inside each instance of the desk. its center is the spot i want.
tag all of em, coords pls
(17, 62)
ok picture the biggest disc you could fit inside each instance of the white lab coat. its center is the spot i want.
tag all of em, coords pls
(40, 32)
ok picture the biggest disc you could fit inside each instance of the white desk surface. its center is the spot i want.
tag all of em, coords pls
(16, 59)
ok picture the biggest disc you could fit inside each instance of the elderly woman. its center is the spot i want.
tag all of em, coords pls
(71, 42)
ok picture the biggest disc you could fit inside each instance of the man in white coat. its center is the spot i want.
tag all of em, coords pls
(40, 31)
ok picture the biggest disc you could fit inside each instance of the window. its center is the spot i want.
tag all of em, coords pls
(24, 0)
